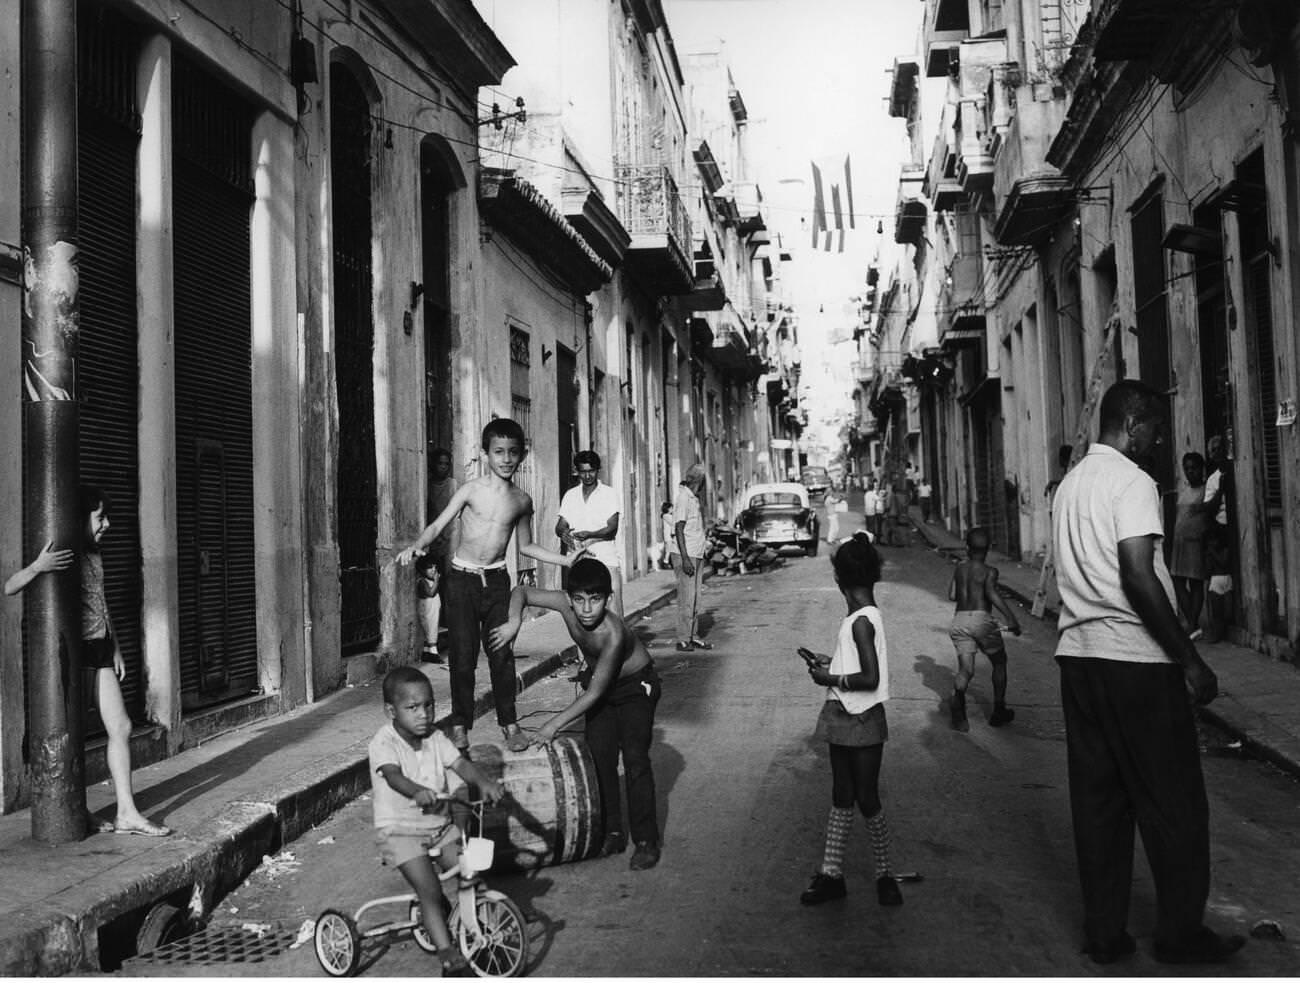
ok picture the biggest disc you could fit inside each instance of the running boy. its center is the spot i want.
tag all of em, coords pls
(974, 587)
(409, 761)
(621, 691)
(476, 589)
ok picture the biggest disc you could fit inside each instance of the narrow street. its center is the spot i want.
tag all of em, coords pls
(744, 789)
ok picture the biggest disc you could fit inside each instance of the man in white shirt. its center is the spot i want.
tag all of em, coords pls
(589, 514)
(686, 553)
(1127, 666)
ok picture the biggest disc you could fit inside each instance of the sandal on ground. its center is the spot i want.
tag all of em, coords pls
(145, 828)
(516, 739)
(685, 647)
(700, 643)
(453, 961)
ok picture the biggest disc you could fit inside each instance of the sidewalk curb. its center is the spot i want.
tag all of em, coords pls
(1256, 734)
(51, 939)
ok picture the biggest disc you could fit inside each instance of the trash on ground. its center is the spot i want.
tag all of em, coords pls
(257, 928)
(1234, 745)
(1266, 928)
(325, 841)
(305, 932)
(283, 862)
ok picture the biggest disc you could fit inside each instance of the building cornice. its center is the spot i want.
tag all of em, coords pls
(456, 36)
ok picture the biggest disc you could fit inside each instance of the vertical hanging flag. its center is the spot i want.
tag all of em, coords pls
(848, 189)
(819, 205)
(839, 217)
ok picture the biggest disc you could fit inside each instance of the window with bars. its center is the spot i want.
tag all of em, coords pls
(521, 403)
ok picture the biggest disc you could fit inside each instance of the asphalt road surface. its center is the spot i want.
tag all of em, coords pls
(744, 792)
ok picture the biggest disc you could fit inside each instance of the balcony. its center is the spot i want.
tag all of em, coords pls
(749, 207)
(1132, 30)
(1032, 195)
(979, 123)
(655, 217)
(902, 89)
(909, 223)
(947, 24)
(941, 184)
(864, 369)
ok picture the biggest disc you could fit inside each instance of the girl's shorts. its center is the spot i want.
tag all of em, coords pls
(399, 844)
(835, 725)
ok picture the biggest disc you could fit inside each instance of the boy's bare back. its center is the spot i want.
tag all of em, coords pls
(971, 585)
(489, 516)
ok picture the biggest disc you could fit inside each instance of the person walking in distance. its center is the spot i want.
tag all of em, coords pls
(102, 665)
(1127, 667)
(491, 509)
(924, 493)
(852, 722)
(432, 567)
(1187, 559)
(974, 587)
(686, 553)
(589, 516)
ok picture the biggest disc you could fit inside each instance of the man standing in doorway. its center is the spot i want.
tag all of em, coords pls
(589, 514)
(686, 553)
(1127, 666)
(924, 491)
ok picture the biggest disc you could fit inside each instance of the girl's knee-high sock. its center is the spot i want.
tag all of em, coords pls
(878, 828)
(838, 824)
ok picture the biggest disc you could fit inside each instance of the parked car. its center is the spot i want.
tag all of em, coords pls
(779, 514)
(816, 480)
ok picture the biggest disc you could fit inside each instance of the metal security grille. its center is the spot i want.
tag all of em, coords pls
(521, 405)
(214, 421)
(354, 345)
(219, 945)
(107, 373)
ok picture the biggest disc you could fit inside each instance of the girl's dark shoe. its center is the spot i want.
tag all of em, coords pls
(823, 887)
(614, 843)
(887, 891)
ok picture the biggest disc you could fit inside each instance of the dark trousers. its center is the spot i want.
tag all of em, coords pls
(1133, 758)
(624, 721)
(472, 606)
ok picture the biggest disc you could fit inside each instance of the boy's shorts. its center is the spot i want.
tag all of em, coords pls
(398, 844)
(977, 631)
(1221, 583)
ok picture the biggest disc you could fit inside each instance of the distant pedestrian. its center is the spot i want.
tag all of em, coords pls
(1126, 668)
(899, 502)
(620, 692)
(589, 517)
(852, 722)
(1218, 590)
(666, 528)
(492, 510)
(432, 567)
(836, 505)
(1187, 559)
(871, 510)
(102, 665)
(409, 762)
(974, 587)
(924, 491)
(686, 553)
(884, 513)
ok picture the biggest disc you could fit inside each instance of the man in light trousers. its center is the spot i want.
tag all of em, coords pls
(686, 553)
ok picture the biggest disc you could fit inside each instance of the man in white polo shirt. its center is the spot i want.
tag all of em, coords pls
(589, 514)
(1127, 667)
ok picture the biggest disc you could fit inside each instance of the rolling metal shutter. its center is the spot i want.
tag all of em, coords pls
(108, 378)
(214, 422)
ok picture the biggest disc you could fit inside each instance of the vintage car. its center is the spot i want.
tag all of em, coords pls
(778, 515)
(816, 480)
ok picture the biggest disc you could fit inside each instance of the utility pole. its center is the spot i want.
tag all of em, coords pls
(49, 355)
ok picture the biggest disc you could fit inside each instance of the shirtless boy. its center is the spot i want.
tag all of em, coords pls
(621, 691)
(476, 588)
(975, 589)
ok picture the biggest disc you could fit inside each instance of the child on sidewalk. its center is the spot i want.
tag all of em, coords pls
(103, 668)
(621, 689)
(852, 721)
(476, 588)
(974, 587)
(409, 761)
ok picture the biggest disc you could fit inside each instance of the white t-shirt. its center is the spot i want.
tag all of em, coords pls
(429, 766)
(845, 662)
(687, 509)
(1105, 499)
(591, 513)
(1212, 484)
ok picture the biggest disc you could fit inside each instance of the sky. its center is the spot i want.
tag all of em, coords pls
(815, 75)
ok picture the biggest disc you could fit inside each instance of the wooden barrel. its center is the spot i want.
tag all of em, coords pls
(553, 814)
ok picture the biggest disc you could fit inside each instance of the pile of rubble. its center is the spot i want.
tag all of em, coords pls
(731, 555)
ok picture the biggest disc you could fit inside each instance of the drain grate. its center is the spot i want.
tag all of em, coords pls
(221, 944)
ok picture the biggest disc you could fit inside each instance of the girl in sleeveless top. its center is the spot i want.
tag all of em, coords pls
(852, 722)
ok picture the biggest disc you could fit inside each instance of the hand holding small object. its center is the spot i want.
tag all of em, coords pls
(407, 555)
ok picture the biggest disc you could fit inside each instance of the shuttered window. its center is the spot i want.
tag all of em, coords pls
(108, 378)
(212, 196)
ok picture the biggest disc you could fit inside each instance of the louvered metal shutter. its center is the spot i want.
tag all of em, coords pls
(108, 376)
(214, 424)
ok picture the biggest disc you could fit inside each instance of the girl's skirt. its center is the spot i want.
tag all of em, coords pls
(835, 725)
